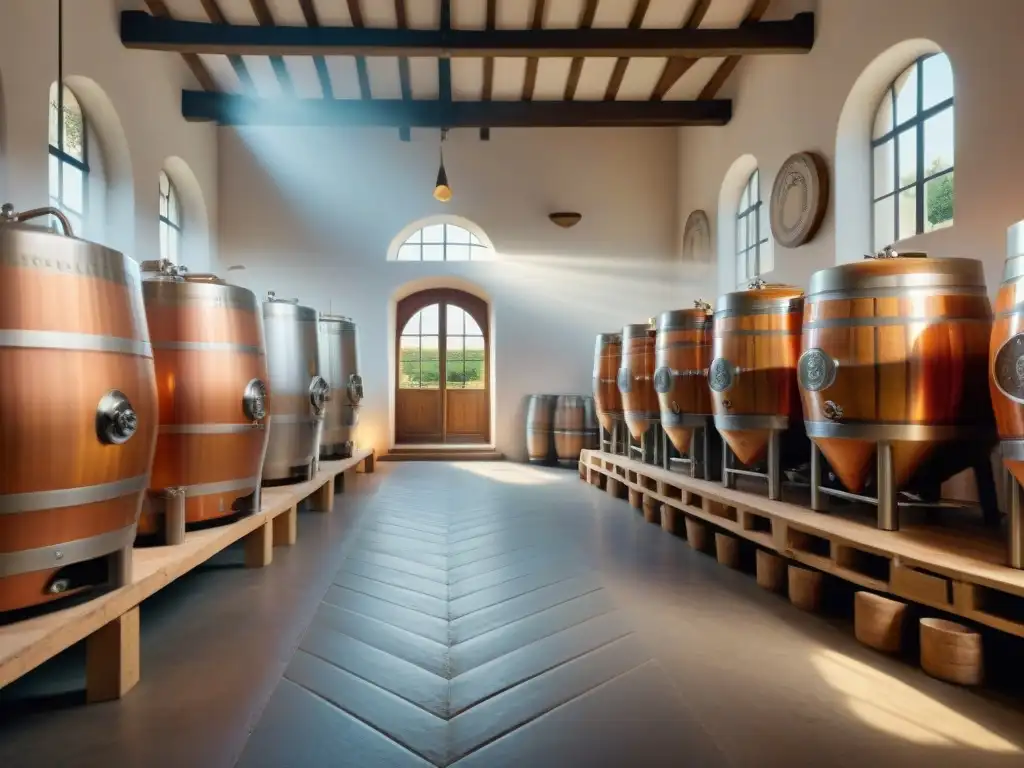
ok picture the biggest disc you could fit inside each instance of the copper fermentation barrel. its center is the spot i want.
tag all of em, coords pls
(682, 355)
(895, 349)
(540, 415)
(211, 371)
(78, 412)
(1006, 356)
(636, 378)
(575, 426)
(607, 358)
(753, 374)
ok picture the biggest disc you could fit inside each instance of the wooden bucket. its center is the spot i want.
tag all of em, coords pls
(607, 360)
(636, 379)
(727, 550)
(682, 356)
(696, 533)
(574, 426)
(878, 621)
(805, 588)
(540, 415)
(951, 652)
(771, 571)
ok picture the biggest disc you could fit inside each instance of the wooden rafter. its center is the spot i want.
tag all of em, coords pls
(676, 67)
(492, 14)
(444, 65)
(312, 20)
(216, 15)
(356, 12)
(576, 68)
(714, 85)
(530, 78)
(202, 75)
(266, 19)
(404, 132)
(619, 70)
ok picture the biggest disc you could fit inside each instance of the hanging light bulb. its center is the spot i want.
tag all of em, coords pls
(442, 192)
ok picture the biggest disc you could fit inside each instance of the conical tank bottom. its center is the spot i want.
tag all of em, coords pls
(637, 426)
(851, 460)
(907, 457)
(750, 445)
(606, 421)
(680, 437)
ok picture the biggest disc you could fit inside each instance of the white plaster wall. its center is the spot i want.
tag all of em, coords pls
(786, 104)
(132, 100)
(311, 212)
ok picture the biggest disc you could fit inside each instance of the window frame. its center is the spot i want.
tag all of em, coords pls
(165, 220)
(467, 318)
(917, 124)
(419, 336)
(475, 244)
(64, 158)
(752, 189)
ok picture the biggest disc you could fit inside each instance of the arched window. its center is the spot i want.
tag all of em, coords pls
(69, 156)
(464, 350)
(912, 152)
(442, 242)
(752, 253)
(170, 221)
(419, 357)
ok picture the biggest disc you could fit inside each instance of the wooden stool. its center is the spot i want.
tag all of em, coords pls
(652, 509)
(668, 518)
(696, 534)
(951, 652)
(771, 571)
(804, 588)
(878, 621)
(727, 550)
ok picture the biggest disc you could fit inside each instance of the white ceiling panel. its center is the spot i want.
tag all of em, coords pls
(223, 73)
(423, 80)
(187, 10)
(381, 13)
(563, 14)
(383, 74)
(344, 77)
(467, 79)
(508, 79)
(594, 79)
(614, 13)
(237, 11)
(332, 13)
(286, 13)
(551, 76)
(668, 14)
(263, 76)
(640, 78)
(726, 13)
(517, 14)
(305, 80)
(692, 83)
(469, 14)
(423, 14)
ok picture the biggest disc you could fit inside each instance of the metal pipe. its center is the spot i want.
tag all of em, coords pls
(1016, 526)
(747, 473)
(888, 508)
(727, 478)
(816, 501)
(774, 466)
(9, 214)
(847, 495)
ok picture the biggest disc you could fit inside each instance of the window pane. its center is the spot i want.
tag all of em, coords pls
(412, 326)
(755, 187)
(741, 234)
(765, 257)
(906, 94)
(409, 253)
(74, 188)
(908, 156)
(908, 213)
(433, 252)
(473, 239)
(752, 265)
(409, 362)
(938, 202)
(764, 226)
(54, 177)
(938, 142)
(163, 205)
(165, 184)
(433, 233)
(475, 371)
(453, 317)
(164, 248)
(430, 362)
(429, 319)
(745, 199)
(53, 115)
(172, 208)
(454, 361)
(883, 117)
(457, 252)
(885, 222)
(472, 329)
(456, 234)
(415, 237)
(77, 224)
(938, 80)
(174, 240)
(741, 268)
(884, 167)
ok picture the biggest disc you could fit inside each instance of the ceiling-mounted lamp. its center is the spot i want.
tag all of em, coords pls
(442, 192)
(565, 219)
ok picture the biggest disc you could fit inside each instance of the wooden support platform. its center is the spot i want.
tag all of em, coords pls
(953, 566)
(110, 623)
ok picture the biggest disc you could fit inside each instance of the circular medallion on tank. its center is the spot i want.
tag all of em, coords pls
(624, 380)
(319, 394)
(355, 388)
(663, 380)
(1008, 368)
(721, 374)
(816, 370)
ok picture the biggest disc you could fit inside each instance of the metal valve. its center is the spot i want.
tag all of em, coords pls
(701, 304)
(319, 394)
(254, 400)
(832, 411)
(756, 284)
(116, 420)
(727, 404)
(355, 388)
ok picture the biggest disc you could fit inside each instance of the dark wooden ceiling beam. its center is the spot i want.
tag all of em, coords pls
(231, 109)
(619, 70)
(216, 15)
(530, 76)
(355, 11)
(576, 68)
(266, 19)
(202, 75)
(140, 30)
(726, 68)
(444, 66)
(488, 89)
(312, 20)
(676, 67)
(404, 132)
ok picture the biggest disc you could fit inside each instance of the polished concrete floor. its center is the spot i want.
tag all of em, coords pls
(492, 614)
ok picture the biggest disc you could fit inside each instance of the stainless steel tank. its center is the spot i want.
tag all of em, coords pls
(298, 393)
(339, 365)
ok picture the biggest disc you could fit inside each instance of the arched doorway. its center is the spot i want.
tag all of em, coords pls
(442, 383)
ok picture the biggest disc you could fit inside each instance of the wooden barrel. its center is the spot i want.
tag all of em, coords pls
(540, 414)
(753, 374)
(211, 368)
(575, 426)
(78, 412)
(895, 349)
(1006, 356)
(636, 378)
(607, 359)
(682, 356)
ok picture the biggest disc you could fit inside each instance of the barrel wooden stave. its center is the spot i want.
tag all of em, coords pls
(574, 426)
(607, 361)
(684, 351)
(639, 399)
(540, 412)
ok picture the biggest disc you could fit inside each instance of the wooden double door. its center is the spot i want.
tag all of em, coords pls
(443, 390)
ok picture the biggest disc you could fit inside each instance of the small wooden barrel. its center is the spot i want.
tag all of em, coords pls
(607, 360)
(575, 426)
(895, 350)
(771, 571)
(211, 367)
(878, 621)
(78, 413)
(540, 416)
(727, 550)
(1006, 356)
(805, 588)
(682, 356)
(951, 652)
(753, 374)
(636, 378)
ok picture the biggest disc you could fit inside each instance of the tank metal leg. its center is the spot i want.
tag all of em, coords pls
(257, 502)
(666, 453)
(728, 478)
(774, 466)
(986, 483)
(120, 568)
(816, 494)
(174, 516)
(888, 510)
(1016, 526)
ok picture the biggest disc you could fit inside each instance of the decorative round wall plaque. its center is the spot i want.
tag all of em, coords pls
(697, 238)
(799, 199)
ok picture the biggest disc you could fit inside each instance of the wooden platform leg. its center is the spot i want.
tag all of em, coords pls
(259, 546)
(286, 527)
(669, 515)
(322, 499)
(369, 463)
(112, 658)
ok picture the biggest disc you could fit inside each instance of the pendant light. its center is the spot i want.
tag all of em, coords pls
(442, 192)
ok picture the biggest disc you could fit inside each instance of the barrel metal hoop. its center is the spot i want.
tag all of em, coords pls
(221, 486)
(745, 421)
(60, 555)
(907, 292)
(294, 418)
(871, 322)
(208, 346)
(32, 501)
(81, 342)
(886, 431)
(209, 429)
(1013, 450)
